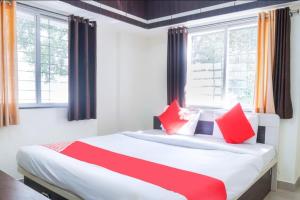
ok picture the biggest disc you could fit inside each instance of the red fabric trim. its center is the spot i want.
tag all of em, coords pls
(191, 185)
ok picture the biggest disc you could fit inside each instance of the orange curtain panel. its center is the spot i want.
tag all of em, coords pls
(8, 76)
(264, 100)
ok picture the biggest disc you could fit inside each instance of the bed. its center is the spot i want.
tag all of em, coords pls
(248, 171)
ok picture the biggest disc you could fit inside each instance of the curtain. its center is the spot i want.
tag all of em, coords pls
(264, 101)
(82, 69)
(8, 76)
(281, 73)
(177, 64)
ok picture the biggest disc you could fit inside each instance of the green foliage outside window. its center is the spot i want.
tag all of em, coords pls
(53, 46)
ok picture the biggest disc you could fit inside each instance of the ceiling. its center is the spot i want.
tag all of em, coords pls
(156, 13)
(151, 9)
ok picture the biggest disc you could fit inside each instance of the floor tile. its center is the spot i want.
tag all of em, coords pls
(284, 195)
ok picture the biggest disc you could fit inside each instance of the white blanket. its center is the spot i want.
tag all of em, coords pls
(236, 165)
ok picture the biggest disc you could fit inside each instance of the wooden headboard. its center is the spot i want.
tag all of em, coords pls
(268, 129)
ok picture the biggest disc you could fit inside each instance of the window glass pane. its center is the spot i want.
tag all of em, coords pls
(215, 81)
(53, 57)
(54, 60)
(241, 65)
(205, 69)
(26, 30)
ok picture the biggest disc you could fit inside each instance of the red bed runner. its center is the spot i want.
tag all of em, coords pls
(189, 184)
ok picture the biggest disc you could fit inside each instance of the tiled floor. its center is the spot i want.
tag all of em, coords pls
(284, 195)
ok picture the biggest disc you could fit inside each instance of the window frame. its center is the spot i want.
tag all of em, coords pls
(37, 14)
(216, 27)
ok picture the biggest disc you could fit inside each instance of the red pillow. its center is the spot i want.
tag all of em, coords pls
(234, 126)
(170, 118)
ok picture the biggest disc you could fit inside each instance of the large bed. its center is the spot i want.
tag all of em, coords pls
(248, 171)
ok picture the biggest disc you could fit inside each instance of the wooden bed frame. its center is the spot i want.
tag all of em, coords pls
(262, 185)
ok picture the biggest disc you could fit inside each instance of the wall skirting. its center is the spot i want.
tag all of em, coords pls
(289, 186)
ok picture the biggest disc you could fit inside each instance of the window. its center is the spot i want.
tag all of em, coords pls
(222, 65)
(42, 51)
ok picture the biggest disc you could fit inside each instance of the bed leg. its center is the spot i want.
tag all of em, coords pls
(274, 178)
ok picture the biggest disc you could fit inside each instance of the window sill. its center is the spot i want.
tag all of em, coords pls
(42, 106)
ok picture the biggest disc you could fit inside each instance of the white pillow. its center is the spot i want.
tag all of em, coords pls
(253, 120)
(190, 127)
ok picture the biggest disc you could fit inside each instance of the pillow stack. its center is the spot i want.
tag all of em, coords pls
(234, 126)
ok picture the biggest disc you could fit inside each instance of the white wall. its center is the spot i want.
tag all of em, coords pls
(132, 72)
(108, 70)
(295, 63)
(142, 80)
(39, 126)
(132, 57)
(155, 76)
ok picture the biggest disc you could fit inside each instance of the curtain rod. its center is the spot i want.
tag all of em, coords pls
(292, 13)
(192, 28)
(48, 11)
(34, 7)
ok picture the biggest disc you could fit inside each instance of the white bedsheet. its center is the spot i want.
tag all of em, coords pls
(236, 165)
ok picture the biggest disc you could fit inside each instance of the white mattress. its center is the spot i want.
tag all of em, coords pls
(236, 165)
